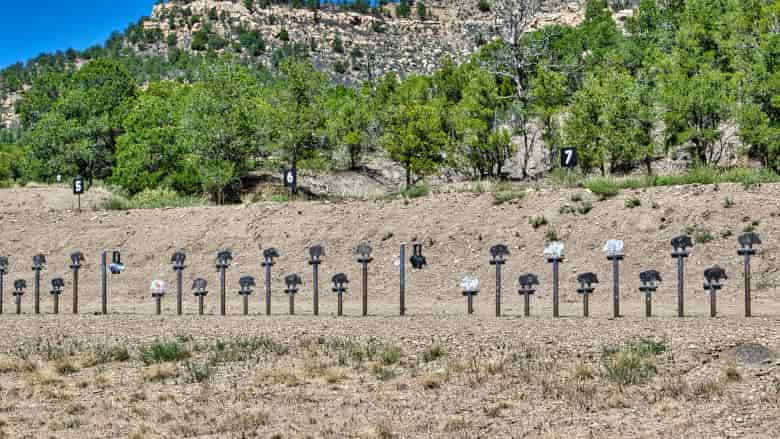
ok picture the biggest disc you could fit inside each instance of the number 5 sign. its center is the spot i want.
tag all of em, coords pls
(78, 188)
(568, 157)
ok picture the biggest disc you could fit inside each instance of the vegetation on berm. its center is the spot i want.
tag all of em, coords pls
(199, 122)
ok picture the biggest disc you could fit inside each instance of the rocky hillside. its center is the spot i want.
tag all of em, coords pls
(353, 45)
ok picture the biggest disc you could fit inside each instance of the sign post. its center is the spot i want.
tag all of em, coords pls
(290, 178)
(568, 161)
(78, 189)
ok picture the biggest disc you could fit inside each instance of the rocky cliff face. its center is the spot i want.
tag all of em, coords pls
(370, 46)
(8, 116)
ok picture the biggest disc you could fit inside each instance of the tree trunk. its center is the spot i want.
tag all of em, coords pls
(408, 174)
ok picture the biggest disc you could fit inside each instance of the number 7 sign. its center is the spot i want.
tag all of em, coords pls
(568, 157)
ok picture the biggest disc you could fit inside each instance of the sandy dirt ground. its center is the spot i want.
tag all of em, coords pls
(435, 372)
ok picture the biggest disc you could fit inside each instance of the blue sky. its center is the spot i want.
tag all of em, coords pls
(29, 27)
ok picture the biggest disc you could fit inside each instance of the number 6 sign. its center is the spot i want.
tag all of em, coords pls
(568, 157)
(291, 179)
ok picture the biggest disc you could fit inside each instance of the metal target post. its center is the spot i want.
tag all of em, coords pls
(527, 282)
(713, 283)
(340, 282)
(158, 291)
(223, 262)
(614, 250)
(402, 280)
(75, 265)
(178, 260)
(316, 253)
(3, 272)
(116, 267)
(554, 254)
(681, 244)
(498, 255)
(56, 289)
(268, 255)
(199, 290)
(39, 262)
(649, 284)
(746, 250)
(292, 281)
(364, 258)
(470, 287)
(418, 262)
(586, 281)
(19, 286)
(245, 290)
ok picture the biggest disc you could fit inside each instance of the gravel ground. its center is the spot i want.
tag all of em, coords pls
(508, 377)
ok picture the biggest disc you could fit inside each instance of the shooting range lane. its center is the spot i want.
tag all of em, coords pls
(699, 346)
(456, 229)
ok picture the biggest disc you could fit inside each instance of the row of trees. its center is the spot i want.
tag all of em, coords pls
(682, 71)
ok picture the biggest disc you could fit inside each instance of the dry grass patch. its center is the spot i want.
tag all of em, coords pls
(104, 354)
(160, 372)
(75, 409)
(731, 373)
(455, 424)
(674, 387)
(494, 411)
(66, 366)
(708, 388)
(334, 375)
(44, 377)
(277, 376)
(244, 420)
(54, 393)
(431, 381)
(15, 364)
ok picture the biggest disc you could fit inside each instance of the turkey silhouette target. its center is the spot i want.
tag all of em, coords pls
(527, 283)
(245, 285)
(649, 281)
(586, 280)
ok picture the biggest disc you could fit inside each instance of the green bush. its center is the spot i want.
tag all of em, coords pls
(632, 363)
(416, 191)
(163, 197)
(537, 221)
(483, 6)
(602, 187)
(551, 235)
(115, 202)
(150, 199)
(632, 202)
(585, 208)
(198, 372)
(434, 352)
(391, 354)
(700, 234)
(384, 373)
(164, 351)
(506, 196)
